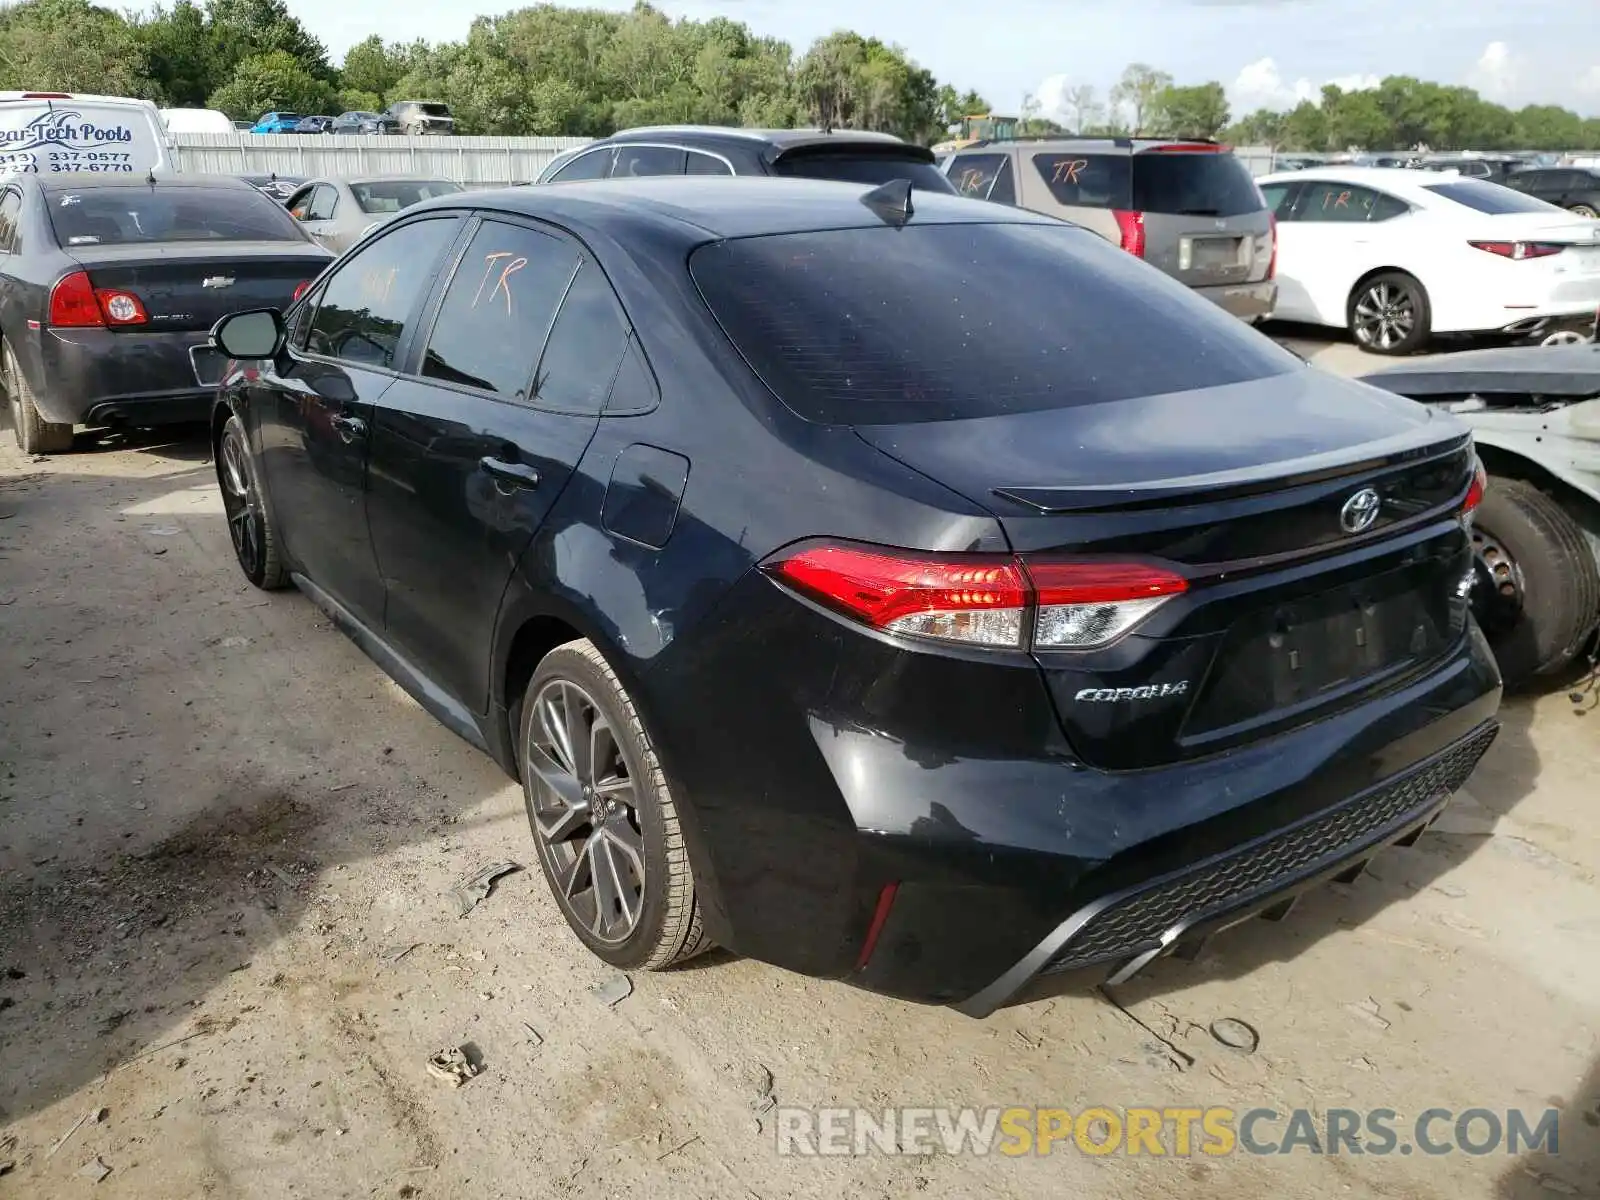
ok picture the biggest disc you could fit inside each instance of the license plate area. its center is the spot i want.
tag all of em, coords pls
(1214, 254)
(1288, 657)
(208, 365)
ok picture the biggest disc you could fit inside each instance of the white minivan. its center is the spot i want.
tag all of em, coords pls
(45, 133)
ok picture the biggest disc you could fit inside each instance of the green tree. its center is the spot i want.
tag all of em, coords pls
(1264, 127)
(181, 53)
(1136, 91)
(1306, 128)
(72, 46)
(245, 29)
(1355, 120)
(1200, 111)
(273, 82)
(373, 67)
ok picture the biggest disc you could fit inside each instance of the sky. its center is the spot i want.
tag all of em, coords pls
(1268, 53)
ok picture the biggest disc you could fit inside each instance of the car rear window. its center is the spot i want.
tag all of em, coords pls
(126, 216)
(864, 168)
(1193, 184)
(1489, 198)
(434, 110)
(942, 322)
(1086, 180)
(391, 195)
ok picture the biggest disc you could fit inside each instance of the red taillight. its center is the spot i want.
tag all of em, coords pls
(1189, 148)
(47, 95)
(1475, 489)
(1518, 251)
(982, 600)
(1272, 263)
(1130, 225)
(73, 304)
(121, 308)
(301, 289)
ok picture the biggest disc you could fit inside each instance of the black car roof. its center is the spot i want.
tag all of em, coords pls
(77, 182)
(721, 206)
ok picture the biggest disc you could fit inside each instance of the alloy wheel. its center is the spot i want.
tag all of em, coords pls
(1385, 316)
(241, 504)
(585, 811)
(1498, 588)
(1564, 337)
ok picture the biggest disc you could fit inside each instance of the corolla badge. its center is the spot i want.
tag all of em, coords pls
(1360, 511)
(1153, 691)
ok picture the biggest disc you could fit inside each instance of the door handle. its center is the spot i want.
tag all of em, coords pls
(518, 475)
(349, 428)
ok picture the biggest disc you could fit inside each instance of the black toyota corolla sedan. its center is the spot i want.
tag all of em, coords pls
(886, 585)
(109, 284)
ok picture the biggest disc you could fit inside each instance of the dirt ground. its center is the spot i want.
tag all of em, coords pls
(227, 944)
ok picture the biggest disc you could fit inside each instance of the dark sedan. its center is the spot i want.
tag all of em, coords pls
(357, 122)
(108, 286)
(886, 585)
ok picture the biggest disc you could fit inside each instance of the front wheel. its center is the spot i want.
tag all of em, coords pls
(1583, 210)
(1390, 314)
(1536, 590)
(250, 528)
(603, 815)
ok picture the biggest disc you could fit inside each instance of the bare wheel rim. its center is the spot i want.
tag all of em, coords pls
(241, 504)
(1499, 590)
(585, 811)
(1583, 210)
(1385, 315)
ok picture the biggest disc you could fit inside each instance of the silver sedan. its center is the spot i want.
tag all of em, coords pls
(336, 212)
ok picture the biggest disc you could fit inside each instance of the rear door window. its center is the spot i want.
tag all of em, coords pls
(974, 174)
(1278, 195)
(10, 210)
(941, 322)
(1004, 188)
(701, 163)
(585, 347)
(648, 160)
(1193, 184)
(1086, 180)
(498, 309)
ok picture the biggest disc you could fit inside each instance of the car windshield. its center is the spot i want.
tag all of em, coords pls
(288, 116)
(864, 168)
(940, 322)
(124, 216)
(1193, 184)
(1489, 198)
(391, 195)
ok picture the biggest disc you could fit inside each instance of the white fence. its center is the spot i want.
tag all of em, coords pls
(467, 160)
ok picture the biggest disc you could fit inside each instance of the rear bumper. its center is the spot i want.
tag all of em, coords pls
(1247, 301)
(97, 376)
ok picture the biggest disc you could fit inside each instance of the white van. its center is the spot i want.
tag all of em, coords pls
(46, 133)
(197, 120)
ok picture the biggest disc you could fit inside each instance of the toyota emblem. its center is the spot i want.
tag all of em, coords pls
(1360, 511)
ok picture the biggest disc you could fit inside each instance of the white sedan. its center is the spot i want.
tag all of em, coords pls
(1397, 255)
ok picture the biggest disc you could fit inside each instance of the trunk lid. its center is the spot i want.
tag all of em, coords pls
(1246, 489)
(190, 286)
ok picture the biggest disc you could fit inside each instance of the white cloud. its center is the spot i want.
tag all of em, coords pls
(1052, 96)
(1497, 71)
(1590, 82)
(1261, 85)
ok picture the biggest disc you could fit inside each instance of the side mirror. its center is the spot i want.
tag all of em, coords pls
(258, 333)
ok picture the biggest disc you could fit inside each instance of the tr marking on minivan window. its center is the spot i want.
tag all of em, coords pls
(1153, 691)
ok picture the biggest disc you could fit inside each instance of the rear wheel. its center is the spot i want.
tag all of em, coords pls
(1389, 314)
(603, 815)
(1584, 210)
(34, 434)
(1537, 587)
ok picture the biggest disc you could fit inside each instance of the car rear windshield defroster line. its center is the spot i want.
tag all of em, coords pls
(943, 322)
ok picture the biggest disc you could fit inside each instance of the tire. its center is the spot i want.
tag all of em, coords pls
(34, 434)
(639, 842)
(1584, 210)
(1401, 324)
(1537, 592)
(250, 528)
